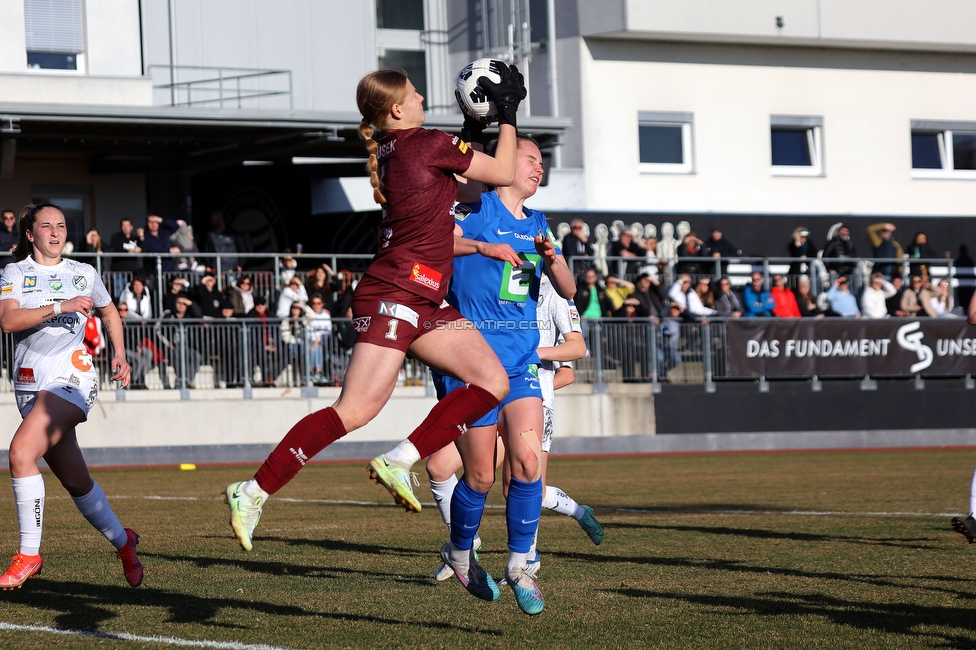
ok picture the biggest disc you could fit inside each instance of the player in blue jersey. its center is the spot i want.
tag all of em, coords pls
(500, 299)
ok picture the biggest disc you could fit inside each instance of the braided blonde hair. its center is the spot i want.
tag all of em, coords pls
(376, 94)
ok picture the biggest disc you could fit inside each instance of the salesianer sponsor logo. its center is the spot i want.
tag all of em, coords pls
(25, 376)
(426, 276)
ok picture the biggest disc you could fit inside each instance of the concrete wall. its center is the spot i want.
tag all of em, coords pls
(159, 420)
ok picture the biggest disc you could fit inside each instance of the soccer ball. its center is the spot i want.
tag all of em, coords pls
(470, 96)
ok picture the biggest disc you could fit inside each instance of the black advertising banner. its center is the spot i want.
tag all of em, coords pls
(830, 347)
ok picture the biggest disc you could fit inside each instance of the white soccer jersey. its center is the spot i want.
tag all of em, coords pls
(41, 353)
(556, 316)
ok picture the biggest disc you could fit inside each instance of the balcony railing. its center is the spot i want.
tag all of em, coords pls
(188, 85)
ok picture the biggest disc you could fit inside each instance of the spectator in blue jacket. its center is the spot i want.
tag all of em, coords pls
(757, 301)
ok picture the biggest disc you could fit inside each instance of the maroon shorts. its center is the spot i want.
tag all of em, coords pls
(388, 316)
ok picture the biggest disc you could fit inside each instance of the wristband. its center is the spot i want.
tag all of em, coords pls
(57, 309)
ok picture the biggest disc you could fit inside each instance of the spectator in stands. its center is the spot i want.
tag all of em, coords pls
(344, 333)
(841, 300)
(155, 240)
(941, 299)
(294, 292)
(668, 356)
(840, 247)
(893, 304)
(288, 268)
(93, 243)
(682, 294)
(124, 241)
(717, 246)
(784, 298)
(916, 301)
(591, 300)
(207, 297)
(342, 298)
(727, 302)
(757, 302)
(703, 288)
(873, 299)
(9, 236)
(690, 247)
(885, 247)
(324, 281)
(240, 295)
(177, 286)
(140, 358)
(183, 240)
(224, 241)
(577, 244)
(175, 342)
(920, 249)
(805, 301)
(293, 339)
(136, 297)
(631, 248)
(651, 296)
(801, 247)
(650, 258)
(318, 328)
(264, 341)
(228, 350)
(618, 290)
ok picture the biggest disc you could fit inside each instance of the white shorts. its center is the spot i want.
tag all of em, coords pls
(78, 388)
(547, 416)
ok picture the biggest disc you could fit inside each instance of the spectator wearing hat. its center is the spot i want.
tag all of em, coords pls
(885, 248)
(801, 247)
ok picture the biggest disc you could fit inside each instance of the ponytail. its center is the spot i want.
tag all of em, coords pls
(376, 94)
(373, 164)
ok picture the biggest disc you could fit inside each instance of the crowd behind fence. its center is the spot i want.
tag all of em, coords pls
(185, 355)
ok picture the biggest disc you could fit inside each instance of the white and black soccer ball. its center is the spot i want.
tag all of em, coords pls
(470, 96)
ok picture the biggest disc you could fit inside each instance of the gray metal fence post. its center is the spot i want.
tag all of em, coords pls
(248, 367)
(308, 388)
(597, 330)
(652, 341)
(706, 335)
(184, 389)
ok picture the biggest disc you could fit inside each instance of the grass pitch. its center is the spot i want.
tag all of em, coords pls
(751, 550)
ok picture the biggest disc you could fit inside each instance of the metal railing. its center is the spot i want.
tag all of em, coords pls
(218, 85)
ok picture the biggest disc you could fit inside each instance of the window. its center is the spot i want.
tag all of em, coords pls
(400, 14)
(943, 149)
(54, 31)
(665, 142)
(413, 63)
(795, 144)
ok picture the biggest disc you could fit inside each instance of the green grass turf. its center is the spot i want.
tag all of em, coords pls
(700, 552)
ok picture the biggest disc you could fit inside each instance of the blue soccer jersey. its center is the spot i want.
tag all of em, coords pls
(497, 297)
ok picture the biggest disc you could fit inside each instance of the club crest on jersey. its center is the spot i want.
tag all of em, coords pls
(55, 284)
(426, 276)
(79, 282)
(30, 281)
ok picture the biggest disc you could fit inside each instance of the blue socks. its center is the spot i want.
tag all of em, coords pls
(467, 507)
(522, 512)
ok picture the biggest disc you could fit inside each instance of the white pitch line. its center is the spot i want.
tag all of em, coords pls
(798, 513)
(123, 636)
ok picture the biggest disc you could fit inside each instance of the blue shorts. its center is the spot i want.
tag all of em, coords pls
(520, 386)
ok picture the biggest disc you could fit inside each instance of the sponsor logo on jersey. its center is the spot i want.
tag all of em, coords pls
(519, 235)
(81, 360)
(5, 290)
(400, 312)
(92, 394)
(462, 145)
(25, 376)
(574, 316)
(30, 281)
(361, 324)
(503, 232)
(426, 276)
(74, 381)
(461, 212)
(55, 284)
(79, 282)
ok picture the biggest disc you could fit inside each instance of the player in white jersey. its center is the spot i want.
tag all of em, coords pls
(45, 301)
